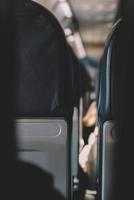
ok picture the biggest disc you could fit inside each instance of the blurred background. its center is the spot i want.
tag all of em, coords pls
(91, 18)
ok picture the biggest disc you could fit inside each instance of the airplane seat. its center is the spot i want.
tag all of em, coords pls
(39, 57)
(46, 117)
(106, 106)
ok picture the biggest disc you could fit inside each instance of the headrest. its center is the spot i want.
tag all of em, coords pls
(41, 81)
(106, 79)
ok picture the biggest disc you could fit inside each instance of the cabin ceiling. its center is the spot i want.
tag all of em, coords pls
(91, 12)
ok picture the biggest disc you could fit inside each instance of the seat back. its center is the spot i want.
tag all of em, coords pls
(44, 97)
(42, 64)
(108, 141)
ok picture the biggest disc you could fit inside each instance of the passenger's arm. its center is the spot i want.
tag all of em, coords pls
(90, 117)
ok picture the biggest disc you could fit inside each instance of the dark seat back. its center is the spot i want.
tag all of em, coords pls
(44, 93)
(43, 72)
(107, 117)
